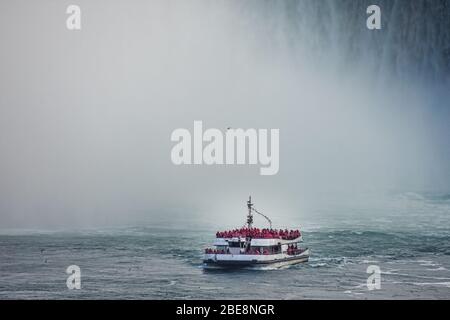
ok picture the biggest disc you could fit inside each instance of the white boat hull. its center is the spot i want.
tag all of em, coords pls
(245, 260)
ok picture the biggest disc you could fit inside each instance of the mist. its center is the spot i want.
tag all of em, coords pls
(86, 116)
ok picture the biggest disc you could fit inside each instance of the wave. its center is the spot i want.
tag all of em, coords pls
(445, 284)
(438, 269)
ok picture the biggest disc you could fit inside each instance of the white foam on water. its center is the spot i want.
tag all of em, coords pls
(428, 263)
(370, 261)
(438, 269)
(445, 284)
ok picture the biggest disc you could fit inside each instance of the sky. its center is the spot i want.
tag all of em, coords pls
(86, 116)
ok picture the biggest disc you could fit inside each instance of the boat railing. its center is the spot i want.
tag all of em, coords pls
(295, 251)
(250, 252)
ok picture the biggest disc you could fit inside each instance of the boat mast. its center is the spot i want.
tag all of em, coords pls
(250, 215)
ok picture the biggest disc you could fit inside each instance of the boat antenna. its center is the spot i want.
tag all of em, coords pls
(266, 217)
(250, 215)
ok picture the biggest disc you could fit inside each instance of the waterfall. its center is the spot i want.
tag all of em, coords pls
(414, 42)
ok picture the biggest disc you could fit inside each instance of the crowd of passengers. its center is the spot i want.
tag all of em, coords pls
(221, 251)
(256, 233)
(216, 251)
(292, 249)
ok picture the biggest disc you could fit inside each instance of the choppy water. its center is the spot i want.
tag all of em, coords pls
(413, 252)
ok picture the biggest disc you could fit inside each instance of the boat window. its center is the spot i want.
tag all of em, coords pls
(257, 248)
(234, 244)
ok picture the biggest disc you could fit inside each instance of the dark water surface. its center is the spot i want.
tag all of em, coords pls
(413, 254)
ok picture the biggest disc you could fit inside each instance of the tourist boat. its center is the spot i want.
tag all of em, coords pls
(255, 247)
